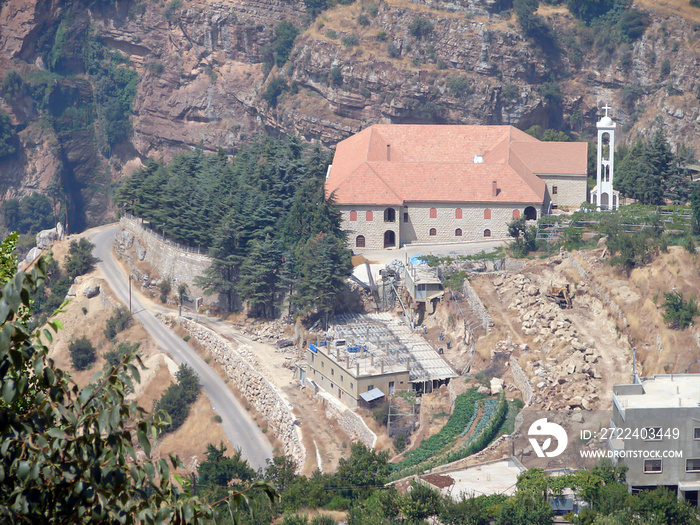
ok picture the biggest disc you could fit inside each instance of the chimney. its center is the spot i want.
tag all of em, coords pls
(388, 152)
(382, 366)
(494, 189)
(358, 370)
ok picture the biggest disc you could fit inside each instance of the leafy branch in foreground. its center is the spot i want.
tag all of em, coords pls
(72, 455)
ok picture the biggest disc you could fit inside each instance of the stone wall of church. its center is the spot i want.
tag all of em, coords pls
(571, 190)
(414, 223)
(373, 230)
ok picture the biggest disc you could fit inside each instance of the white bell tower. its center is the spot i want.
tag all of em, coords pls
(604, 197)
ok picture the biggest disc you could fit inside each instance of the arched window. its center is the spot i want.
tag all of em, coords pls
(353, 215)
(487, 233)
(390, 215)
(530, 213)
(605, 146)
(458, 213)
(360, 241)
(433, 213)
(487, 213)
(516, 214)
(433, 232)
(458, 232)
(369, 217)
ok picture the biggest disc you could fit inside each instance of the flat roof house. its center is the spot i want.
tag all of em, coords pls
(658, 422)
(402, 184)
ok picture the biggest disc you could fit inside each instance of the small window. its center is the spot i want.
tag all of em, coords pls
(458, 213)
(369, 387)
(692, 465)
(652, 466)
(652, 434)
(433, 213)
(323, 365)
(369, 216)
(696, 433)
(554, 190)
(353, 215)
(516, 214)
(313, 358)
(405, 216)
(433, 232)
(458, 232)
(360, 241)
(352, 386)
(341, 378)
(487, 233)
(332, 371)
(487, 214)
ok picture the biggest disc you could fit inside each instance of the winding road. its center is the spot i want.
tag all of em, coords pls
(236, 422)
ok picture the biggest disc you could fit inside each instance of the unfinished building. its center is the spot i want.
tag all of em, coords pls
(362, 358)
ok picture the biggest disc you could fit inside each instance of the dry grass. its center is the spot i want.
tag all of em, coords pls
(190, 441)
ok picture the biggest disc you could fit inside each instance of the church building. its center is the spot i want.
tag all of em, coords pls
(402, 184)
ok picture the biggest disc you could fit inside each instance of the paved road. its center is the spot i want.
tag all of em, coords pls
(236, 422)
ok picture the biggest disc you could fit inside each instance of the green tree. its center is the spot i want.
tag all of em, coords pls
(220, 470)
(420, 503)
(7, 135)
(70, 457)
(679, 312)
(11, 86)
(188, 381)
(82, 353)
(523, 237)
(285, 34)
(324, 263)
(79, 260)
(588, 10)
(362, 472)
(420, 27)
(119, 321)
(261, 275)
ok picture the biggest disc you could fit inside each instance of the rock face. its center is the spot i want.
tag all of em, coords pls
(45, 238)
(202, 75)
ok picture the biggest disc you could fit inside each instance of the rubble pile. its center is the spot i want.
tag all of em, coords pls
(566, 372)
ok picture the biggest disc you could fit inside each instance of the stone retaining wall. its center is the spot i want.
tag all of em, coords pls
(255, 388)
(171, 262)
(348, 420)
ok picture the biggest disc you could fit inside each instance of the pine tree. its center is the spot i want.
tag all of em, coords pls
(261, 277)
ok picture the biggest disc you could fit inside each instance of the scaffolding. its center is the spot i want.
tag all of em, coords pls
(379, 343)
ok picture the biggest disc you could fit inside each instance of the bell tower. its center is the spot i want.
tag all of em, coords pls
(603, 196)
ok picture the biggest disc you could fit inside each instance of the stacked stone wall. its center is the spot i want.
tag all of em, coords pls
(571, 190)
(172, 262)
(259, 392)
(348, 420)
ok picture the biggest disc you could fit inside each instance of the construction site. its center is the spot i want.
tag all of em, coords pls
(363, 353)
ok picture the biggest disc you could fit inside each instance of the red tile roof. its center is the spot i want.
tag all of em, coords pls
(393, 164)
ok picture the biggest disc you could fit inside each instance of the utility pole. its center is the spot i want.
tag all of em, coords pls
(129, 293)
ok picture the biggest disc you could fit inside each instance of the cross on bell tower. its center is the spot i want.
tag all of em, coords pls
(603, 196)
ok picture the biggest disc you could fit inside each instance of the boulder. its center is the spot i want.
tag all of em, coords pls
(71, 291)
(91, 291)
(46, 238)
(32, 256)
(484, 390)
(496, 385)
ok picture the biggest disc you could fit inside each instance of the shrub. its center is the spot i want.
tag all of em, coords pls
(156, 68)
(339, 503)
(188, 380)
(164, 287)
(178, 397)
(394, 52)
(458, 84)
(332, 34)
(350, 40)
(665, 68)
(323, 520)
(336, 78)
(11, 85)
(689, 244)
(114, 356)
(120, 320)
(171, 9)
(363, 20)
(420, 28)
(679, 313)
(82, 353)
(382, 36)
(80, 259)
(273, 90)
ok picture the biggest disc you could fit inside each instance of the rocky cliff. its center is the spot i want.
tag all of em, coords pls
(203, 70)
